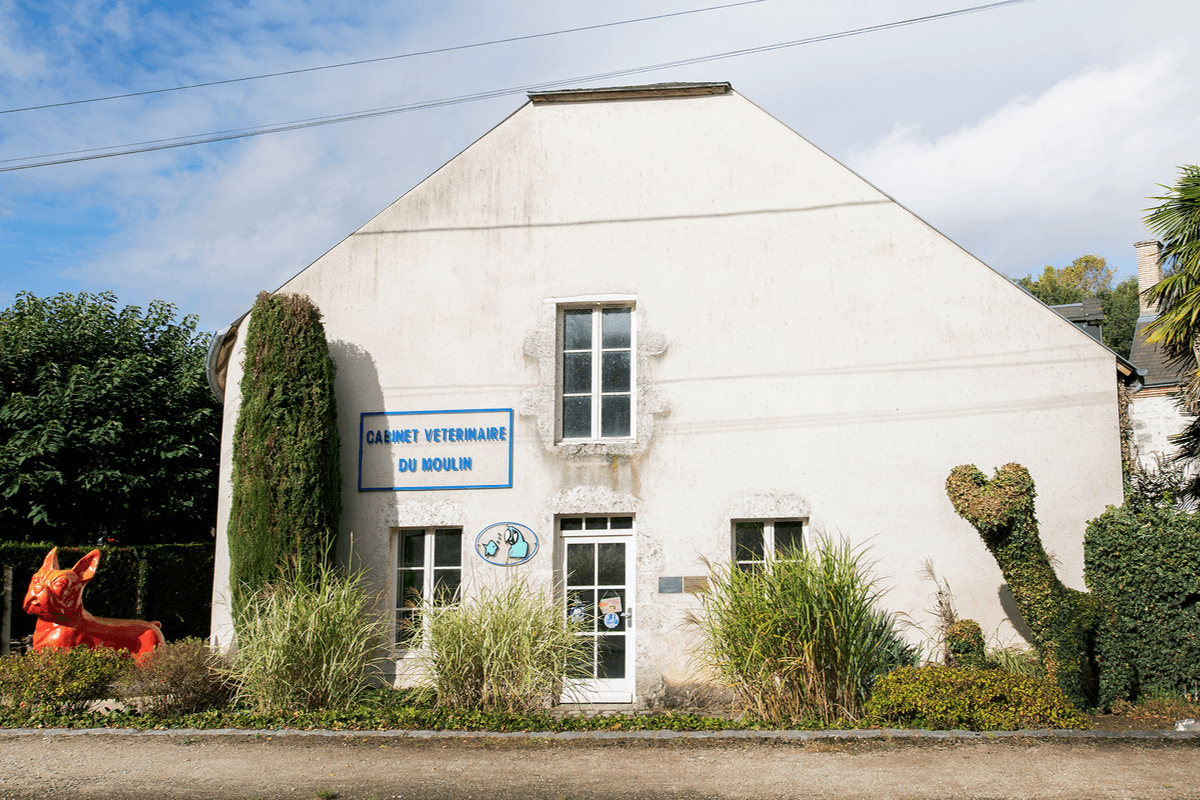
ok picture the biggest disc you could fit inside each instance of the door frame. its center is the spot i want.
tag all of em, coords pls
(601, 690)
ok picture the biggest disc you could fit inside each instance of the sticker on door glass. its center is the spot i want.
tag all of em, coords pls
(611, 620)
(610, 605)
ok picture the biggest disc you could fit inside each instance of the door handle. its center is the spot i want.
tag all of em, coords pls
(628, 615)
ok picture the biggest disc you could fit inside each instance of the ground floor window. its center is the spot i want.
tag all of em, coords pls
(757, 541)
(429, 568)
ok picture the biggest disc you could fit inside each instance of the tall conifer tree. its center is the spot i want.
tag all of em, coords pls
(286, 469)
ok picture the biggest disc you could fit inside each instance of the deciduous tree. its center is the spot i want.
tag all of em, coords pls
(107, 424)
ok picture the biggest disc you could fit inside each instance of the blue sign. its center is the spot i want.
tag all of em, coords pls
(611, 620)
(412, 451)
(506, 544)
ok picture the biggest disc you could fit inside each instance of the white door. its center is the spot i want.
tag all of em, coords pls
(598, 580)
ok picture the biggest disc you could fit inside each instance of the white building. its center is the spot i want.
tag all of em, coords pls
(640, 323)
(1154, 411)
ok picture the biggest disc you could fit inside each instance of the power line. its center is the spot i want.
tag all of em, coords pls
(382, 58)
(312, 122)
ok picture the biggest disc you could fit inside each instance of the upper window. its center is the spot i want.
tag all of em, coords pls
(429, 565)
(757, 541)
(596, 368)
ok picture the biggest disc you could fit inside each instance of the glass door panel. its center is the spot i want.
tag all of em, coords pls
(597, 574)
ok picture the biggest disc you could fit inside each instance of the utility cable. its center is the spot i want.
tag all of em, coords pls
(242, 133)
(382, 58)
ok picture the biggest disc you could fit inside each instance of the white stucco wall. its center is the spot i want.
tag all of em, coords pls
(806, 347)
(1155, 417)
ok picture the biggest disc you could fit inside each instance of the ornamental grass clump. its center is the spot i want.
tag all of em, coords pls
(505, 649)
(802, 637)
(308, 642)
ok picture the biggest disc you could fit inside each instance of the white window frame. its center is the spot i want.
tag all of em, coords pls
(428, 578)
(768, 539)
(597, 350)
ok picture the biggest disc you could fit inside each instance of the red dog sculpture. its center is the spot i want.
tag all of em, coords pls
(55, 597)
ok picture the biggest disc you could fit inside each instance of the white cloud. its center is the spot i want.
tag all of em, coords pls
(1089, 148)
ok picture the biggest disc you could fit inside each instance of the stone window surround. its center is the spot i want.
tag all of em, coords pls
(540, 401)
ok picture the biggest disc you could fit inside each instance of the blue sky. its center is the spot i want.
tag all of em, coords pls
(1029, 134)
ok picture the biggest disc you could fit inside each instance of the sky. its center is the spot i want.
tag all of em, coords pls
(1030, 133)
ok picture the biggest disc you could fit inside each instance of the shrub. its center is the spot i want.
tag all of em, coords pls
(307, 642)
(964, 644)
(286, 466)
(179, 678)
(1143, 559)
(950, 698)
(1067, 625)
(62, 681)
(800, 638)
(509, 649)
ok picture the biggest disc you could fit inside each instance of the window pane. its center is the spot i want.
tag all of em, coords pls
(577, 329)
(610, 656)
(597, 523)
(577, 417)
(447, 548)
(610, 557)
(581, 605)
(577, 373)
(614, 372)
(581, 565)
(445, 586)
(748, 541)
(570, 524)
(621, 523)
(615, 327)
(412, 582)
(614, 415)
(789, 536)
(414, 549)
(406, 629)
(610, 595)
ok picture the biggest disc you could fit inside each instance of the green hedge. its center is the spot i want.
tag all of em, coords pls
(176, 584)
(950, 698)
(1145, 563)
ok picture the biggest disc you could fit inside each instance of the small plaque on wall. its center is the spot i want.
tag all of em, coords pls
(670, 585)
(695, 583)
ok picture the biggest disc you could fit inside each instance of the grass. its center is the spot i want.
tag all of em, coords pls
(506, 649)
(307, 644)
(800, 638)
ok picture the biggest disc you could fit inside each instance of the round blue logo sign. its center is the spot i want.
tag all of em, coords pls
(506, 544)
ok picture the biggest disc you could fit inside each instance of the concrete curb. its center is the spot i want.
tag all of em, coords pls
(784, 735)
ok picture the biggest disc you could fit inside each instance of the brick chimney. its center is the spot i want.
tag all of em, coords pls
(1149, 268)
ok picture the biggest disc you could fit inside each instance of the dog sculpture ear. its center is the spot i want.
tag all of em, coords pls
(86, 567)
(51, 561)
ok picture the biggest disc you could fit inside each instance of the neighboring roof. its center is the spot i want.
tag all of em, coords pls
(650, 91)
(1087, 316)
(1087, 311)
(1160, 370)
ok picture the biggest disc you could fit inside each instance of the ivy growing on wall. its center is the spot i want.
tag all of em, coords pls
(286, 469)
